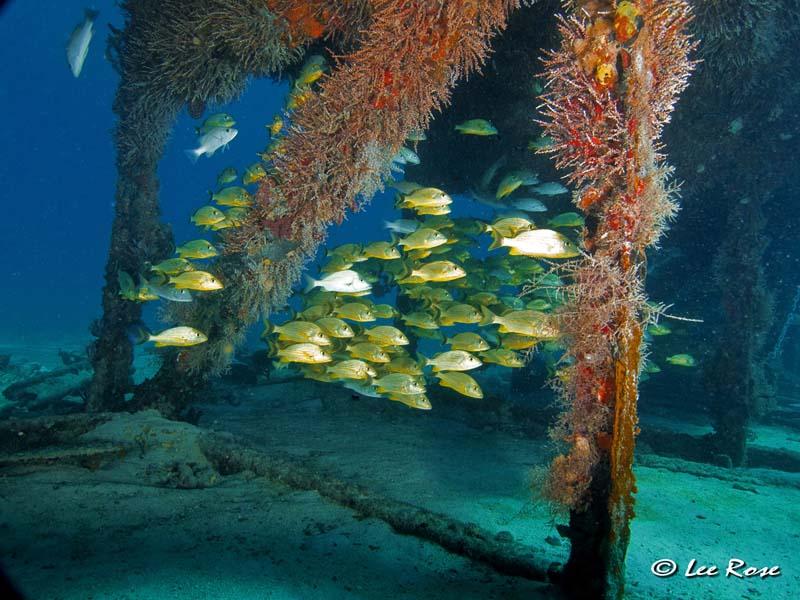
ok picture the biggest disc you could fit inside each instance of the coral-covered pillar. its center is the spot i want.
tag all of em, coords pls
(171, 53)
(737, 376)
(137, 237)
(611, 88)
(137, 234)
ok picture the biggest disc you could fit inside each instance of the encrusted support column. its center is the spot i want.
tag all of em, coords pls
(611, 88)
(137, 237)
(171, 53)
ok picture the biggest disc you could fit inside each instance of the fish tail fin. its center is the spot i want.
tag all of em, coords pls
(408, 267)
(310, 284)
(193, 154)
(497, 240)
(488, 317)
(268, 329)
(338, 345)
(158, 278)
(272, 348)
(138, 333)
(437, 311)
(422, 360)
(426, 303)
(123, 276)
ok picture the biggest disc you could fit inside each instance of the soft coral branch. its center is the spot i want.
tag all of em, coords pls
(342, 140)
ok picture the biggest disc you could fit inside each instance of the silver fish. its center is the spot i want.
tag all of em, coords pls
(170, 293)
(527, 177)
(551, 188)
(347, 281)
(486, 199)
(361, 389)
(409, 156)
(78, 45)
(402, 225)
(488, 174)
(217, 138)
(529, 204)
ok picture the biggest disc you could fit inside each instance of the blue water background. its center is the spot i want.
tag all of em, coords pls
(58, 171)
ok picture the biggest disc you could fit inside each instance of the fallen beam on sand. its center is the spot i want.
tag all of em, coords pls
(465, 539)
(16, 390)
(20, 435)
(88, 457)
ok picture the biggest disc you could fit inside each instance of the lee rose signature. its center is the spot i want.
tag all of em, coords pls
(666, 567)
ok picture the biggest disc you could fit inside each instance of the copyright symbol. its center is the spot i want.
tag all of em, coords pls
(664, 567)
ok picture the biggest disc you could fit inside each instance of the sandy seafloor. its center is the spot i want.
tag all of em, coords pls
(118, 532)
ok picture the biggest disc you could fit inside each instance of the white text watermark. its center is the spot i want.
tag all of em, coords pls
(736, 568)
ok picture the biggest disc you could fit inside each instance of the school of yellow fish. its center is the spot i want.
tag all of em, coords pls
(453, 295)
(174, 279)
(453, 292)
